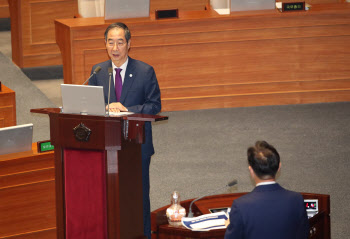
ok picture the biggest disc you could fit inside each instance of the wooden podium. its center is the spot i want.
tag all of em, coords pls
(98, 174)
(319, 224)
(7, 107)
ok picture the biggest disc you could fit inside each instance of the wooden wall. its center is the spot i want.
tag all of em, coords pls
(209, 61)
(27, 196)
(7, 107)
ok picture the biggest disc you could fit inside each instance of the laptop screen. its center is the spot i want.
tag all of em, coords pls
(126, 9)
(16, 139)
(83, 99)
(249, 5)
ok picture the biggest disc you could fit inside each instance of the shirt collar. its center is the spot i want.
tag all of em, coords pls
(265, 183)
(123, 67)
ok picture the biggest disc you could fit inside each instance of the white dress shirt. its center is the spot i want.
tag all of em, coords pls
(265, 183)
(122, 73)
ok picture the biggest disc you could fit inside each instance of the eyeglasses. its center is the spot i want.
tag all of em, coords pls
(119, 44)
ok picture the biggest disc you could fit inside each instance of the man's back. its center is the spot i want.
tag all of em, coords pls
(270, 212)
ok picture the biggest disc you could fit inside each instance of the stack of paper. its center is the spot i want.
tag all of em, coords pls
(206, 222)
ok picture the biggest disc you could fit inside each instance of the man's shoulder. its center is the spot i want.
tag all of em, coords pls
(295, 195)
(290, 192)
(245, 199)
(266, 191)
(103, 65)
(139, 64)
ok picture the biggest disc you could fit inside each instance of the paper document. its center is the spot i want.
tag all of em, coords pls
(119, 113)
(206, 222)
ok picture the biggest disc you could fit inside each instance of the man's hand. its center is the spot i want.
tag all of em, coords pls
(116, 107)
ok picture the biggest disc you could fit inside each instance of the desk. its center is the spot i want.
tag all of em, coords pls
(319, 224)
(204, 60)
(7, 107)
(33, 31)
(27, 195)
(182, 5)
(4, 9)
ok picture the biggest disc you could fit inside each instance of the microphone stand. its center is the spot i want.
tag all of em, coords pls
(89, 78)
(230, 184)
(93, 73)
(110, 71)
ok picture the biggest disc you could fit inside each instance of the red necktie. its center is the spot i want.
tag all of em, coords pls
(118, 83)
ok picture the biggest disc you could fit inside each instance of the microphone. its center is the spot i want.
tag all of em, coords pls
(97, 69)
(230, 184)
(110, 72)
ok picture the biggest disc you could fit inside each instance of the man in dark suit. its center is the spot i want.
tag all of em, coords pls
(269, 211)
(137, 91)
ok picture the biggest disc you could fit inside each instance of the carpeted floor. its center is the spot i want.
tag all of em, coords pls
(28, 96)
(199, 151)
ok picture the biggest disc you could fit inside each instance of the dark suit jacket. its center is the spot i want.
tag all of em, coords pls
(140, 93)
(270, 212)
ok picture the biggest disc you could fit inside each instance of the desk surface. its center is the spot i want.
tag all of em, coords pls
(163, 230)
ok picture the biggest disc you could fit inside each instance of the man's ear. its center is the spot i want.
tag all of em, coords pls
(251, 171)
(279, 167)
(129, 44)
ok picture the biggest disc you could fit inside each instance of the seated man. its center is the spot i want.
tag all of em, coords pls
(269, 211)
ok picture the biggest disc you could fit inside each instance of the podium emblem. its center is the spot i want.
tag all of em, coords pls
(82, 133)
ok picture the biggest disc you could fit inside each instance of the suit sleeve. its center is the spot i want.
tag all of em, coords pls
(303, 230)
(92, 81)
(152, 101)
(235, 228)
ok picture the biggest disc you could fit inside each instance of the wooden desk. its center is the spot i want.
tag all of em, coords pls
(203, 60)
(4, 9)
(182, 5)
(27, 195)
(33, 30)
(7, 107)
(319, 224)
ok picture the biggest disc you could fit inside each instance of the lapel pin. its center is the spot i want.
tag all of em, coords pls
(130, 75)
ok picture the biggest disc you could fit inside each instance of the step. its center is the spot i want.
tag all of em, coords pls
(246, 100)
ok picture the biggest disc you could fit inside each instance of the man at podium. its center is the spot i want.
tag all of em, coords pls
(269, 211)
(134, 88)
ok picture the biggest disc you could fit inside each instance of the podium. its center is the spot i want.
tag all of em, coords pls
(319, 224)
(98, 174)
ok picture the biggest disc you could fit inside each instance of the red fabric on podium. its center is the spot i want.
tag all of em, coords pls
(85, 194)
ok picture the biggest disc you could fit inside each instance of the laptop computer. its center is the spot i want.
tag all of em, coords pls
(83, 99)
(16, 139)
(311, 206)
(116, 9)
(249, 5)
